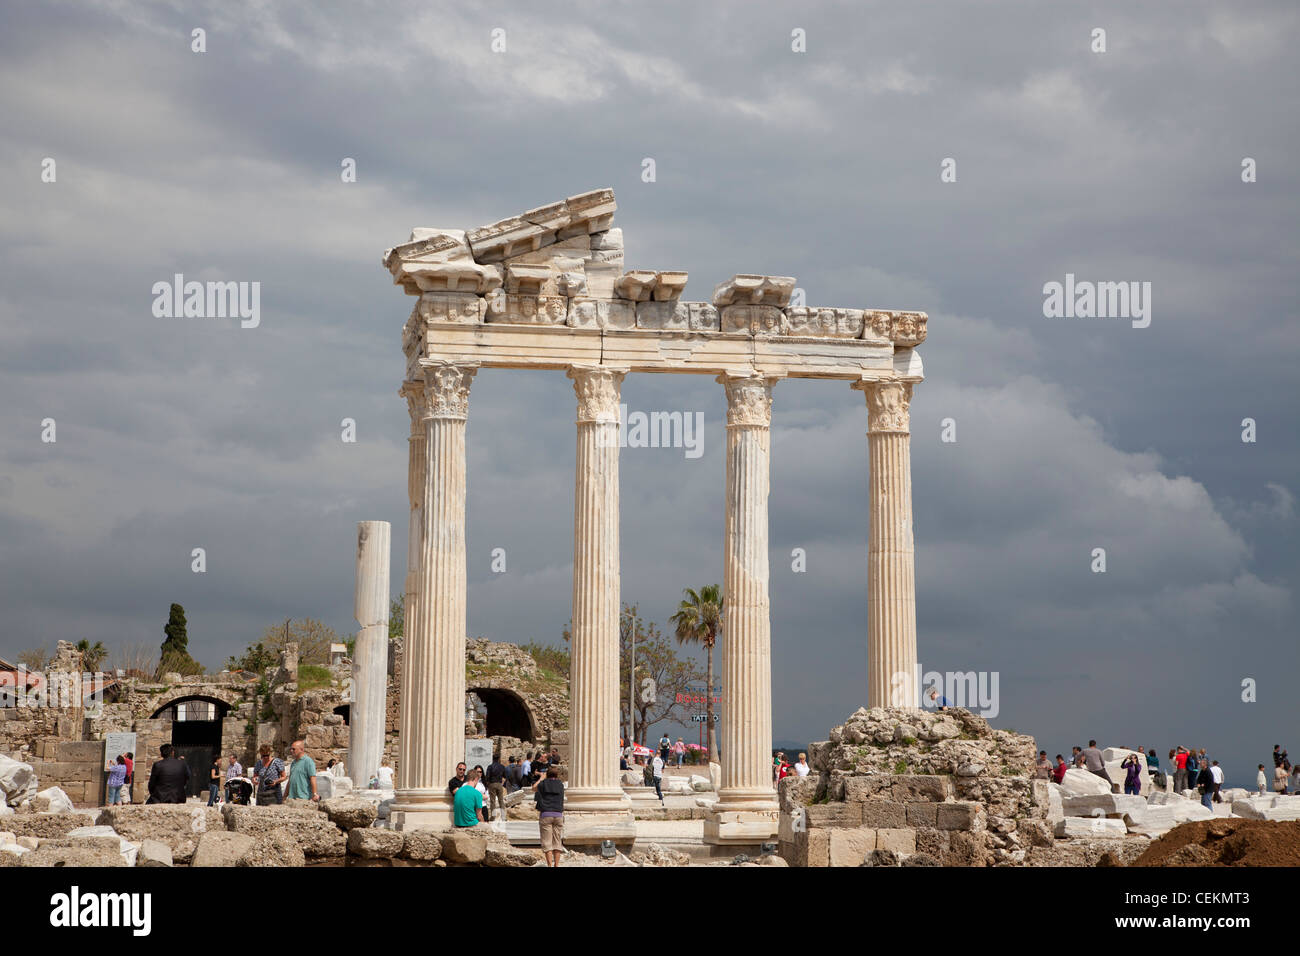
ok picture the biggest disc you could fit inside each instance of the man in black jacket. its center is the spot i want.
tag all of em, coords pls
(495, 780)
(169, 778)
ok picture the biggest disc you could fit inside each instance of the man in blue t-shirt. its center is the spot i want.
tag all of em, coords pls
(467, 802)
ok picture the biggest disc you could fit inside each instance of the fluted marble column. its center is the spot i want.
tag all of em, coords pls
(433, 666)
(746, 811)
(891, 575)
(370, 656)
(594, 787)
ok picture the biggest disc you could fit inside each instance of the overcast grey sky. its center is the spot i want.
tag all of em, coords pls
(1072, 434)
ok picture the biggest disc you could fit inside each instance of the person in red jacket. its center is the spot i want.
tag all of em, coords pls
(1058, 774)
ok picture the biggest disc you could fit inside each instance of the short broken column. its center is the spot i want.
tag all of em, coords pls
(370, 655)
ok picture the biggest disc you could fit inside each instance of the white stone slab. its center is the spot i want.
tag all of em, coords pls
(1078, 783)
(1091, 827)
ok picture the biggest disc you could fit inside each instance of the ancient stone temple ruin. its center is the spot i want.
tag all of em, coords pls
(547, 289)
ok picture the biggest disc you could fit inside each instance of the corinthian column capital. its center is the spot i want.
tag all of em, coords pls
(597, 388)
(446, 390)
(887, 406)
(749, 399)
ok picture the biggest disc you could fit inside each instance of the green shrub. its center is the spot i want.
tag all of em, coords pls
(900, 767)
(313, 676)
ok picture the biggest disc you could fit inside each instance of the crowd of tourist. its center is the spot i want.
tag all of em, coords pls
(1192, 770)
(478, 793)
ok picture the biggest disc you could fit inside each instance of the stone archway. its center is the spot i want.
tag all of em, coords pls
(507, 713)
(195, 733)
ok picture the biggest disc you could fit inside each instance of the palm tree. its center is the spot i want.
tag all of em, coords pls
(91, 655)
(699, 619)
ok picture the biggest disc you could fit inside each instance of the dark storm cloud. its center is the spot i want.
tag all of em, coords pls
(1072, 434)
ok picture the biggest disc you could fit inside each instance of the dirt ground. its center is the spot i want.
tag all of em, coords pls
(1229, 841)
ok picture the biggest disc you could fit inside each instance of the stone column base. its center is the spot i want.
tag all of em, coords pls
(742, 817)
(421, 810)
(592, 816)
(643, 798)
(740, 826)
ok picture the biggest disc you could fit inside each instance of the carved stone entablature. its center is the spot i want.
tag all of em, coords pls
(754, 290)
(749, 399)
(446, 390)
(887, 406)
(597, 388)
(531, 290)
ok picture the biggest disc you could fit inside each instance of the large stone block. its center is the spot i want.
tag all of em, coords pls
(960, 816)
(1103, 827)
(313, 830)
(813, 848)
(349, 813)
(824, 323)
(46, 825)
(850, 847)
(154, 853)
(463, 846)
(53, 854)
(1117, 805)
(882, 813)
(1078, 783)
(371, 844)
(178, 825)
(921, 814)
(221, 848)
(795, 791)
(915, 788)
(867, 787)
(677, 316)
(588, 313)
(527, 309)
(901, 840)
(274, 850)
(81, 751)
(421, 845)
(464, 308)
(753, 319)
(826, 815)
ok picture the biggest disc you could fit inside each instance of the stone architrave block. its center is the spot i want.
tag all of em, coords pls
(901, 840)
(587, 313)
(827, 815)
(850, 847)
(824, 323)
(527, 309)
(960, 816)
(753, 319)
(754, 290)
(458, 307)
(883, 813)
(677, 316)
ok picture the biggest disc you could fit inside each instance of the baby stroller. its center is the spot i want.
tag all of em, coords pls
(239, 790)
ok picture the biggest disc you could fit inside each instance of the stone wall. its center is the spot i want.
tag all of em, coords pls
(65, 745)
(941, 784)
